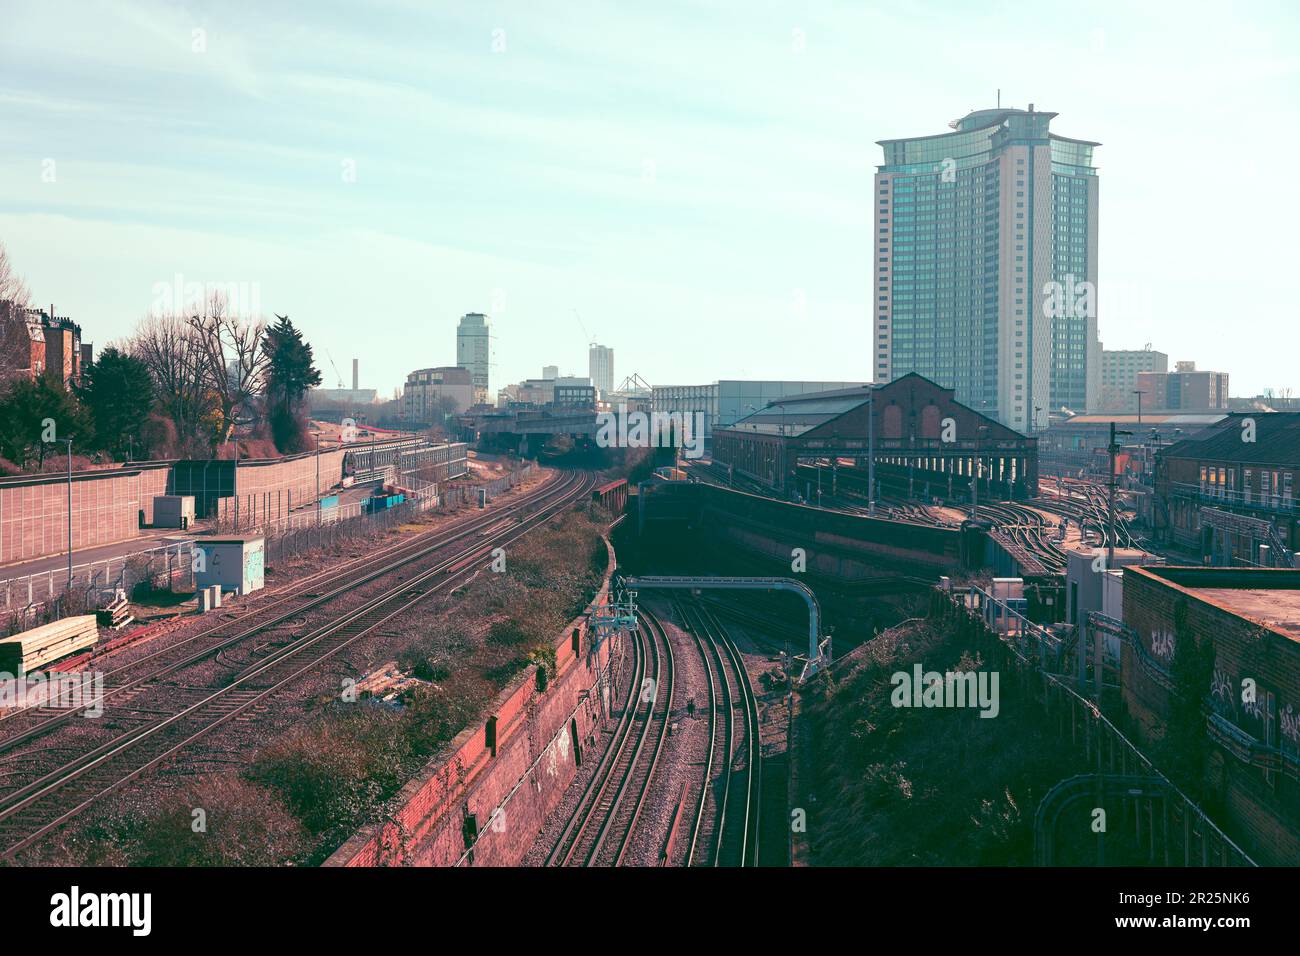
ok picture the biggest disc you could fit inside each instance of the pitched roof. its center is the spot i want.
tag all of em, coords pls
(1276, 440)
(794, 415)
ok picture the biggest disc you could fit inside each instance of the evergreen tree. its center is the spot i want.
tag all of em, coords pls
(119, 394)
(290, 372)
(33, 410)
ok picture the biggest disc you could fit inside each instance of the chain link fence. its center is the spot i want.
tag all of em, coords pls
(34, 599)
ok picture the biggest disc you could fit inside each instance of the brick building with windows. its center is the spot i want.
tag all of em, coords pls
(923, 437)
(1228, 638)
(34, 342)
(1245, 466)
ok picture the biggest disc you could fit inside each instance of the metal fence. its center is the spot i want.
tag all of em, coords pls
(91, 580)
(23, 599)
(1187, 835)
(298, 534)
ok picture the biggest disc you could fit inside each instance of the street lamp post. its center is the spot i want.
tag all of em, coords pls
(1113, 449)
(69, 443)
(236, 488)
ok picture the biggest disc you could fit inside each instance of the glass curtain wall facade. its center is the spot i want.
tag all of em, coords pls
(984, 258)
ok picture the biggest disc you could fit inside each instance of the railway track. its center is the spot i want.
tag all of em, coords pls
(184, 715)
(730, 835)
(600, 831)
(296, 600)
(1028, 529)
(721, 807)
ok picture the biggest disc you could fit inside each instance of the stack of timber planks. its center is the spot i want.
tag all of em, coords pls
(116, 614)
(42, 645)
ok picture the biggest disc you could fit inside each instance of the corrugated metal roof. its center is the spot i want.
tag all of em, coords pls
(796, 414)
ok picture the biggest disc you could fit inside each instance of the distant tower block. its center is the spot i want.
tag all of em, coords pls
(474, 351)
(600, 366)
(356, 376)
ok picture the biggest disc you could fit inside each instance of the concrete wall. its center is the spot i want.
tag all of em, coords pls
(271, 486)
(520, 759)
(839, 545)
(106, 507)
(106, 502)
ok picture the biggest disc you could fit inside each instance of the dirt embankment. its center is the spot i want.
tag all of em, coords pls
(894, 785)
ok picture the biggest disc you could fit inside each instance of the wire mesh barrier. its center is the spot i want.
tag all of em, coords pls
(1169, 824)
(32, 599)
(310, 530)
(48, 595)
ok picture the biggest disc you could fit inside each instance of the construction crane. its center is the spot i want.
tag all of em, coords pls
(335, 367)
(590, 339)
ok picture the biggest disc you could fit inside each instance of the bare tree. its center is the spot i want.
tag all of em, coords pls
(170, 349)
(234, 365)
(15, 338)
(12, 287)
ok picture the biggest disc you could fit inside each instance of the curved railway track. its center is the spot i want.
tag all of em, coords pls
(600, 830)
(187, 714)
(722, 806)
(730, 835)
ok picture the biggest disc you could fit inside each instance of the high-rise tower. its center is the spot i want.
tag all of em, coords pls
(985, 265)
(474, 352)
(600, 367)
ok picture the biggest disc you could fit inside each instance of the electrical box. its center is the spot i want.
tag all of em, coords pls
(236, 563)
(173, 511)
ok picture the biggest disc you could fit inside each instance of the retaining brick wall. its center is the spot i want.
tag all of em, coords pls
(525, 774)
(837, 544)
(1262, 814)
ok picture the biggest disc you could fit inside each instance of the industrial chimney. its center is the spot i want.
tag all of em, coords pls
(355, 377)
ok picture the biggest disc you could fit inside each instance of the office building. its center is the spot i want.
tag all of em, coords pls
(727, 400)
(474, 352)
(1119, 377)
(600, 366)
(986, 265)
(1183, 390)
(432, 394)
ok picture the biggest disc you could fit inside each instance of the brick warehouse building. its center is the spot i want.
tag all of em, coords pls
(1221, 471)
(1240, 625)
(923, 438)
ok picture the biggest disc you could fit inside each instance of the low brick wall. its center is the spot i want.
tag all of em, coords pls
(503, 776)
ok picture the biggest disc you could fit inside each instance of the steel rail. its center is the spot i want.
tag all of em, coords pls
(234, 699)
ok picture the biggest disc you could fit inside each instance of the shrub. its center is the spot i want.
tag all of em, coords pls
(243, 825)
(331, 771)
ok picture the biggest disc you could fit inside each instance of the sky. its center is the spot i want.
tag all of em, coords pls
(688, 183)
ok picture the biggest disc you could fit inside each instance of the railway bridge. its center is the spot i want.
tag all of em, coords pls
(530, 428)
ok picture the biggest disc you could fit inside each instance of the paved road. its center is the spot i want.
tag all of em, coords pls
(148, 538)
